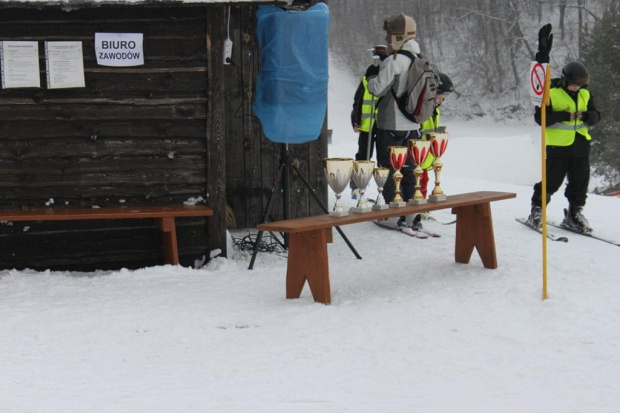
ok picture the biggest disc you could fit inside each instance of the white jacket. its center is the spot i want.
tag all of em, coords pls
(389, 117)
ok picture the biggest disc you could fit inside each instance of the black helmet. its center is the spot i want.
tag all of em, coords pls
(575, 73)
(445, 85)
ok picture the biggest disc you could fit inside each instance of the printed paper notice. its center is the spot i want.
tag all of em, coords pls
(119, 49)
(20, 64)
(65, 65)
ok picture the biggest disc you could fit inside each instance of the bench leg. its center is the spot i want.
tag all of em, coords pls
(307, 260)
(169, 239)
(474, 228)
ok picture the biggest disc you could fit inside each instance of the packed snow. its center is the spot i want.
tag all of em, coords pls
(408, 328)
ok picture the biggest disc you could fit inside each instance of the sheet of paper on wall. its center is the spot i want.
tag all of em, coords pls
(65, 65)
(19, 61)
(119, 49)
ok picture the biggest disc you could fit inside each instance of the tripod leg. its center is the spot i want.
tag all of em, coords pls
(322, 205)
(267, 213)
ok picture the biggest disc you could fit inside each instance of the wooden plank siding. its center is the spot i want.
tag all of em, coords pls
(178, 127)
(132, 136)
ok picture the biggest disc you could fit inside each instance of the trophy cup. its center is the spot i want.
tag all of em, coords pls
(418, 150)
(362, 173)
(439, 143)
(338, 174)
(398, 157)
(381, 176)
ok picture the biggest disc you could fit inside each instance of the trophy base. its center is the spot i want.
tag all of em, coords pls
(398, 204)
(380, 207)
(437, 198)
(338, 213)
(417, 201)
(361, 210)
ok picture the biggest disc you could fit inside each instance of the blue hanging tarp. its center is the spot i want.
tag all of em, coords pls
(291, 91)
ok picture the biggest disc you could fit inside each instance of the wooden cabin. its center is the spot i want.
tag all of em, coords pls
(177, 129)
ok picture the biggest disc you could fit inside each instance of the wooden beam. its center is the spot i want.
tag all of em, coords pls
(216, 127)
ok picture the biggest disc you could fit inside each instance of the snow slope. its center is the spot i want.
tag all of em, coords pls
(408, 328)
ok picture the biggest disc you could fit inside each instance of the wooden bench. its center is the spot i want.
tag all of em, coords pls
(164, 217)
(307, 256)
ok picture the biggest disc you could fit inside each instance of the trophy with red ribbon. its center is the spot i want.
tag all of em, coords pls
(439, 144)
(398, 157)
(418, 150)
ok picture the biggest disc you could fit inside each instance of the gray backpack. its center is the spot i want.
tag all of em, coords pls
(418, 101)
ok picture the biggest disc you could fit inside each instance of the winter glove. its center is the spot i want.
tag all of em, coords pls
(372, 71)
(590, 117)
(560, 117)
(545, 41)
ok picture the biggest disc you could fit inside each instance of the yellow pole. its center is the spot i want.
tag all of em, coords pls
(543, 140)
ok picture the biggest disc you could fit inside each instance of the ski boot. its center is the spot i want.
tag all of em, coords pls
(402, 222)
(414, 221)
(355, 194)
(535, 218)
(574, 220)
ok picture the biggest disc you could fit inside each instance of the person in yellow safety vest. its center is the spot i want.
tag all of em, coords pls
(364, 114)
(570, 112)
(432, 125)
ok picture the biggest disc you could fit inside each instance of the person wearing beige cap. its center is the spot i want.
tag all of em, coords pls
(393, 128)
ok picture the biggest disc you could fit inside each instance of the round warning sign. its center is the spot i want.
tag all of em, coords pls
(537, 79)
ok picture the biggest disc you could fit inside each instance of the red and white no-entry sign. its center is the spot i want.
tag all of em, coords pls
(537, 82)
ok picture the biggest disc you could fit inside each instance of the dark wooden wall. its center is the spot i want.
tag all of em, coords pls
(179, 127)
(133, 136)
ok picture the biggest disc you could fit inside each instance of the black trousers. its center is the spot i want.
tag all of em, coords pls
(385, 139)
(577, 170)
(362, 147)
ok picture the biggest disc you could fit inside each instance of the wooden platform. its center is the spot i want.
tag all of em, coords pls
(308, 259)
(164, 217)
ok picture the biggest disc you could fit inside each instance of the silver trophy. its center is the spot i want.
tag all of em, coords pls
(362, 173)
(381, 176)
(338, 173)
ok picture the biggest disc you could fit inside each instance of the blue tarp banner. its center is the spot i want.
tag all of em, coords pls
(291, 90)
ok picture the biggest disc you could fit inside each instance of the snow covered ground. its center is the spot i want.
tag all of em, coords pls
(408, 329)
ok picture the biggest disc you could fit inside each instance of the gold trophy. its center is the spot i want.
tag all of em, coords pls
(362, 173)
(338, 173)
(439, 144)
(381, 176)
(398, 157)
(418, 150)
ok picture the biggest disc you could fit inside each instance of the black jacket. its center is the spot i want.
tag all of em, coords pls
(358, 101)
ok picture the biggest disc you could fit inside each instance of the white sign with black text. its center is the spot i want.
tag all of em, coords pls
(119, 49)
(65, 65)
(19, 62)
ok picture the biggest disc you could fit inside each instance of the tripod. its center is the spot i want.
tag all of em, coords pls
(286, 162)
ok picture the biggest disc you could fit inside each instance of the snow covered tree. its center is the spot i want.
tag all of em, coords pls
(601, 55)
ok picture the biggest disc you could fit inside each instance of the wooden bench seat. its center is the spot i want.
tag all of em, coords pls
(308, 259)
(164, 217)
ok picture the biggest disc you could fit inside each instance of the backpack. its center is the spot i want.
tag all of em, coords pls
(418, 101)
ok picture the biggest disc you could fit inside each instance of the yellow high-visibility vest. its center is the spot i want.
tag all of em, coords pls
(429, 126)
(563, 133)
(368, 107)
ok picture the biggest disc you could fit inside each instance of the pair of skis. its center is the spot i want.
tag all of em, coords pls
(422, 234)
(556, 237)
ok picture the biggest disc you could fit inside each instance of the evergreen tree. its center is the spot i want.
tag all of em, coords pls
(601, 55)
